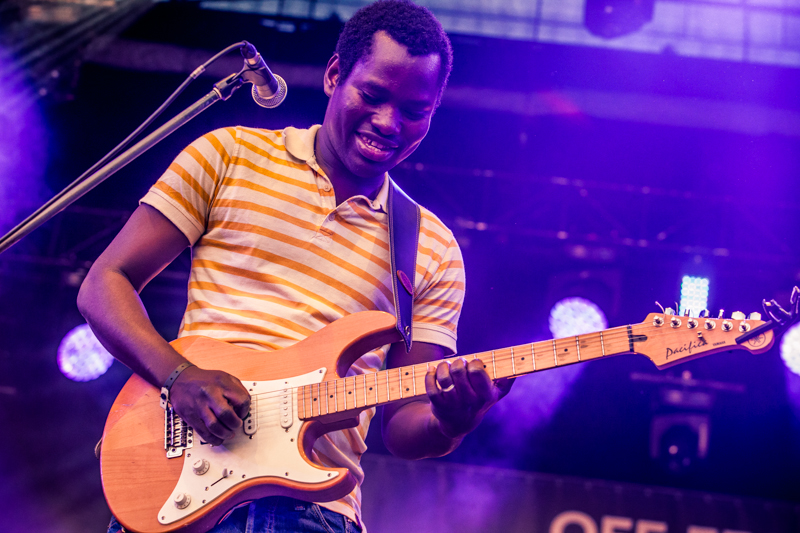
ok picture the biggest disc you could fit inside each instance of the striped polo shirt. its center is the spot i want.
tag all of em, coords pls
(274, 259)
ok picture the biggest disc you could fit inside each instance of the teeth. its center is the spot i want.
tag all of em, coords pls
(372, 143)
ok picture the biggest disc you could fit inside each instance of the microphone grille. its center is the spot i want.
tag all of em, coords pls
(276, 99)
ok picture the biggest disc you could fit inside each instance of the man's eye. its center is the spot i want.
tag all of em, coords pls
(368, 98)
(416, 115)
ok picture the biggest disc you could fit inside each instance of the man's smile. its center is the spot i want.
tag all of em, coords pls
(374, 147)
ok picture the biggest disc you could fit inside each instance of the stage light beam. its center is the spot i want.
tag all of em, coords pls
(81, 357)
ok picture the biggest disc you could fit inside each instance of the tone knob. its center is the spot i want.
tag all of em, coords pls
(200, 466)
(182, 500)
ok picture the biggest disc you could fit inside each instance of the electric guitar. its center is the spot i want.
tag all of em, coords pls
(159, 477)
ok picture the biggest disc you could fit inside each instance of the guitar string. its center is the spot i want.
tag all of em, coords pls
(502, 355)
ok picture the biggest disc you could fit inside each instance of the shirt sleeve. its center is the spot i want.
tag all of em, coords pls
(440, 284)
(185, 192)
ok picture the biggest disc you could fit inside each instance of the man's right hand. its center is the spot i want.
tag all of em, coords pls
(214, 403)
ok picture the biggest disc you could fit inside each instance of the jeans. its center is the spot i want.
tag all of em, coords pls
(278, 515)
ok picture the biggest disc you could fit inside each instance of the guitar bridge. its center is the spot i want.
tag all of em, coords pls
(178, 435)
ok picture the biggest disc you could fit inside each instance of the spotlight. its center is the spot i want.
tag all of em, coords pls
(81, 357)
(694, 294)
(614, 18)
(790, 349)
(576, 316)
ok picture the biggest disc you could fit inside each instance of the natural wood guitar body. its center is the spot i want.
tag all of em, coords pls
(137, 476)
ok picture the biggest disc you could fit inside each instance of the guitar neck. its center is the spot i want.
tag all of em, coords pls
(362, 391)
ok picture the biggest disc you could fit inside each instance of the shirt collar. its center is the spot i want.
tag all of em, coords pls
(300, 145)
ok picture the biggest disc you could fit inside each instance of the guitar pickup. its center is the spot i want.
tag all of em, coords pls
(251, 420)
(285, 408)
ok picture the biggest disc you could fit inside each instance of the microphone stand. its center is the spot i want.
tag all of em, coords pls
(223, 90)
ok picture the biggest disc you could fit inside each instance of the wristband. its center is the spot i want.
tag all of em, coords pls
(170, 380)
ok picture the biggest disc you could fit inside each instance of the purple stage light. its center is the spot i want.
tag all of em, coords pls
(790, 349)
(81, 357)
(575, 316)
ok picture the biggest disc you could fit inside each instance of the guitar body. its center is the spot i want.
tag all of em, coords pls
(272, 458)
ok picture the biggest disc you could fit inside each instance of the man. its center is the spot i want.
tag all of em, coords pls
(289, 233)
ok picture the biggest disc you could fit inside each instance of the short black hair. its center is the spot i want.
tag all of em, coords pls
(411, 25)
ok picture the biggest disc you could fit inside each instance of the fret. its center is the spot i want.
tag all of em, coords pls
(377, 400)
(365, 389)
(414, 380)
(555, 355)
(578, 346)
(513, 366)
(400, 381)
(565, 350)
(335, 396)
(327, 399)
(388, 394)
(305, 413)
(602, 345)
(319, 407)
(494, 367)
(533, 357)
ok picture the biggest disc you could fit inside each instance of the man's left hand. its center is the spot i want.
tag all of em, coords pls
(461, 393)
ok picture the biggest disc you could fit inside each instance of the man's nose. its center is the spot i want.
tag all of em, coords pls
(388, 120)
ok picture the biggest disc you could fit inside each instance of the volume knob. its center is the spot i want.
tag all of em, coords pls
(182, 500)
(200, 466)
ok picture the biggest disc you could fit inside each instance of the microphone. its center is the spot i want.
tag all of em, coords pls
(269, 89)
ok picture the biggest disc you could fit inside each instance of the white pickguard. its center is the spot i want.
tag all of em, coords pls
(272, 451)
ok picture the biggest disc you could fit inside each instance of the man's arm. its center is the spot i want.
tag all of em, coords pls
(212, 402)
(436, 425)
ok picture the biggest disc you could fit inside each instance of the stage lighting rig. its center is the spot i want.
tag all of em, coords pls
(614, 18)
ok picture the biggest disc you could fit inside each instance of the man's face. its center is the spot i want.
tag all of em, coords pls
(378, 116)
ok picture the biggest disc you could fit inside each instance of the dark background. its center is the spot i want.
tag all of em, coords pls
(639, 203)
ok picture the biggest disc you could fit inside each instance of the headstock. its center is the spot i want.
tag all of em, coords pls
(668, 339)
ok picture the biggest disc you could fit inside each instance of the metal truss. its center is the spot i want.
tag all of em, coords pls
(604, 222)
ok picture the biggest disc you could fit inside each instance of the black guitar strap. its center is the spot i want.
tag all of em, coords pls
(404, 221)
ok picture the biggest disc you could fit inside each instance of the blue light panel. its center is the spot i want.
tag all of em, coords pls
(694, 294)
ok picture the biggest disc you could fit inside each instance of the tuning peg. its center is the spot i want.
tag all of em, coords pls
(755, 316)
(687, 312)
(738, 315)
(721, 313)
(669, 311)
(704, 313)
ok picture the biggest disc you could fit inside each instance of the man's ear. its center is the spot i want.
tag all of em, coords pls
(331, 78)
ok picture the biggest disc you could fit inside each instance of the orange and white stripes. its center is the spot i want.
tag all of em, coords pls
(275, 259)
